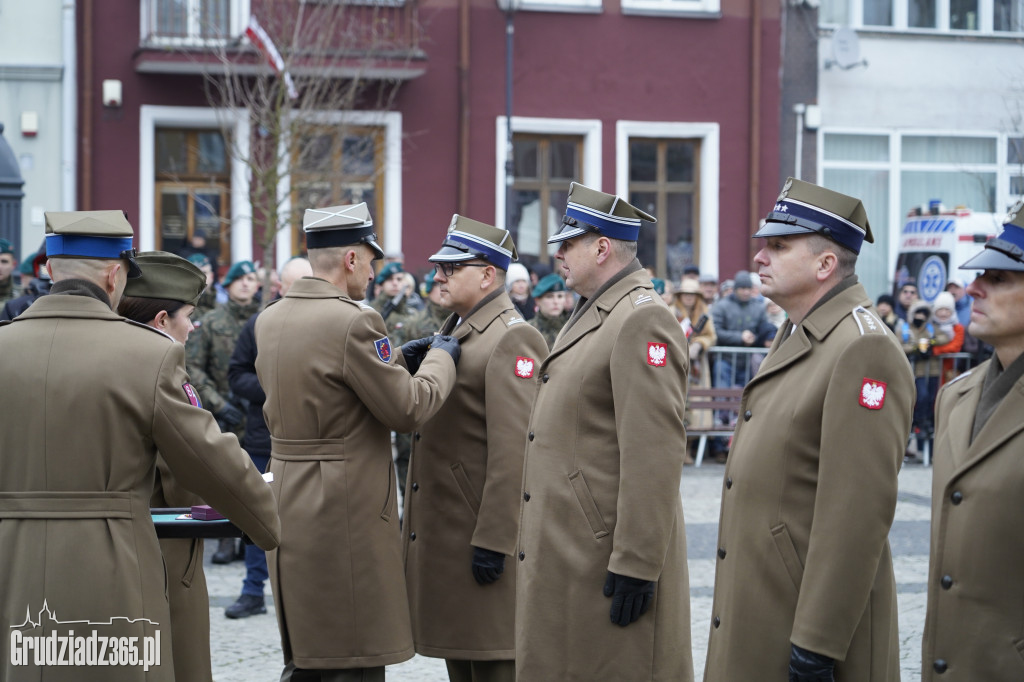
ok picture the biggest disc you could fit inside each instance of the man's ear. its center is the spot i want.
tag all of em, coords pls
(112, 277)
(827, 264)
(350, 259)
(603, 245)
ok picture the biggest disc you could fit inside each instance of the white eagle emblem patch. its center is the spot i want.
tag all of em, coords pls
(657, 354)
(524, 367)
(872, 394)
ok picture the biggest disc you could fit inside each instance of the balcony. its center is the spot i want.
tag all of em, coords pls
(338, 38)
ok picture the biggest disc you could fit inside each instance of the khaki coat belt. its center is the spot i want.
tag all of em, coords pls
(66, 504)
(306, 450)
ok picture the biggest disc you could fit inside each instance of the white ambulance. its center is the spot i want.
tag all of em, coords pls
(935, 242)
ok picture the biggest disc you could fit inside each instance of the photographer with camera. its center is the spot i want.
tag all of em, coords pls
(919, 335)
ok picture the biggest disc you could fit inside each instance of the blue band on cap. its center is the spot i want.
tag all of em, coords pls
(481, 248)
(86, 246)
(626, 229)
(1013, 234)
(827, 224)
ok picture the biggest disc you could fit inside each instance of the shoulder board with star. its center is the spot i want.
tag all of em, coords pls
(867, 322)
(148, 328)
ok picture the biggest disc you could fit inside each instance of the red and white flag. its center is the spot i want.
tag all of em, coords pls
(264, 44)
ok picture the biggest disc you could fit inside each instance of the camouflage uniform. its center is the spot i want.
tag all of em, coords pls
(427, 321)
(396, 320)
(549, 326)
(207, 302)
(8, 290)
(208, 353)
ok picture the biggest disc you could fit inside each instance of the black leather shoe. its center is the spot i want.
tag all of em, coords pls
(247, 605)
(225, 553)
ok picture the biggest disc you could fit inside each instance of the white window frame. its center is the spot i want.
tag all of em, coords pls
(708, 134)
(390, 232)
(855, 19)
(895, 167)
(590, 165)
(580, 6)
(237, 120)
(697, 9)
(237, 21)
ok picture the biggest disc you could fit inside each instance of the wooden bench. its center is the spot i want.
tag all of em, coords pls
(714, 400)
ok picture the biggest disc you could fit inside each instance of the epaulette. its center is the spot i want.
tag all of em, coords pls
(866, 322)
(510, 318)
(364, 305)
(146, 326)
(640, 296)
(959, 377)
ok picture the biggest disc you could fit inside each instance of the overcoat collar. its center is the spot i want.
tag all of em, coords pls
(84, 307)
(486, 311)
(314, 287)
(599, 306)
(1004, 423)
(791, 343)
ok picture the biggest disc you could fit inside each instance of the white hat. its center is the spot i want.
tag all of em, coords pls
(517, 272)
(945, 300)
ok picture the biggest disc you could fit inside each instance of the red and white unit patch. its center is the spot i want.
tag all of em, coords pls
(657, 354)
(524, 367)
(872, 394)
(192, 396)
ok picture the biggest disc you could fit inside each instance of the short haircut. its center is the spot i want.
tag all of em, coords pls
(92, 269)
(328, 259)
(846, 260)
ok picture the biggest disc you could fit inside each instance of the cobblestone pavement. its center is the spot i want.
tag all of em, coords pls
(249, 650)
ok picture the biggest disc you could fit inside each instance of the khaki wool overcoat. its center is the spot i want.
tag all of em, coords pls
(464, 487)
(808, 498)
(88, 398)
(334, 393)
(601, 493)
(975, 617)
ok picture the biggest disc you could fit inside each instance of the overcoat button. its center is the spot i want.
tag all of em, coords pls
(947, 582)
(957, 497)
(415, 486)
(939, 665)
(721, 552)
(728, 483)
(412, 535)
(717, 621)
(531, 435)
(747, 415)
(416, 435)
(526, 496)
(522, 555)
(544, 378)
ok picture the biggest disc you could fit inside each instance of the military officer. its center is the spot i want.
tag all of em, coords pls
(549, 293)
(804, 583)
(334, 389)
(392, 303)
(462, 501)
(91, 400)
(164, 299)
(208, 301)
(602, 542)
(433, 315)
(974, 622)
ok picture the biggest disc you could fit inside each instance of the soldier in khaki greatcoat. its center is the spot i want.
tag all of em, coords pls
(603, 589)
(462, 498)
(164, 298)
(334, 391)
(89, 402)
(974, 627)
(804, 583)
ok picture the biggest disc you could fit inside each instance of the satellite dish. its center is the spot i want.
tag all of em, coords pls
(845, 49)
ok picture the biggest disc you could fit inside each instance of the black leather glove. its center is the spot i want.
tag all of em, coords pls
(807, 666)
(487, 565)
(449, 344)
(631, 597)
(413, 352)
(229, 415)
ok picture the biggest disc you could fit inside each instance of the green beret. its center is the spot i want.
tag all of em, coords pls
(6, 247)
(659, 285)
(167, 276)
(199, 260)
(428, 282)
(548, 284)
(26, 267)
(387, 271)
(243, 267)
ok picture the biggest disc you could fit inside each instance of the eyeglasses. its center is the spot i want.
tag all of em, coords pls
(448, 269)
